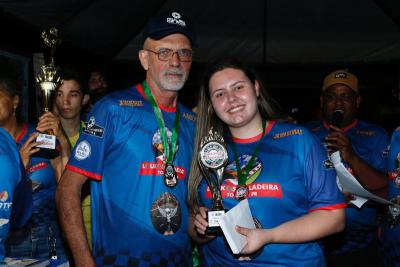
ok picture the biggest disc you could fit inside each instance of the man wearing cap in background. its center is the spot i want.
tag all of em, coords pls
(363, 148)
(136, 149)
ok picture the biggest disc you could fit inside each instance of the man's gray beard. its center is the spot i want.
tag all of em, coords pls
(175, 85)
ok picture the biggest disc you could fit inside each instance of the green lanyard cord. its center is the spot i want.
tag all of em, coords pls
(81, 123)
(169, 149)
(242, 176)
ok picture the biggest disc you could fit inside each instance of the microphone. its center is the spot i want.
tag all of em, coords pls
(337, 118)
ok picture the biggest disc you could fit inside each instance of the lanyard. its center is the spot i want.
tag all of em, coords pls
(169, 148)
(80, 131)
(242, 176)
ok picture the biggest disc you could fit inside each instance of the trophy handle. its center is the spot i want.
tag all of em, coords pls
(214, 187)
(220, 174)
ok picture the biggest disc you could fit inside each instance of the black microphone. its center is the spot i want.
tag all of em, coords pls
(337, 118)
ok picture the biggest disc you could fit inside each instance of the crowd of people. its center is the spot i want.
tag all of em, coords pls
(127, 187)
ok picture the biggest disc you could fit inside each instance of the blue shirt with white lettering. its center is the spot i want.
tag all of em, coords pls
(44, 184)
(44, 221)
(390, 227)
(136, 219)
(287, 180)
(370, 142)
(15, 190)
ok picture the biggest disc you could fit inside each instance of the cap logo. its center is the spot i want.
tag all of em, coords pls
(340, 75)
(176, 19)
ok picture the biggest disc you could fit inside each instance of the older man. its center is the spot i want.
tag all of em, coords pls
(136, 149)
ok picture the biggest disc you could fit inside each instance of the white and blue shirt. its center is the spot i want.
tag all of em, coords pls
(288, 179)
(136, 219)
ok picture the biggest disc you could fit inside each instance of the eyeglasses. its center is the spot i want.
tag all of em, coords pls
(165, 54)
(342, 97)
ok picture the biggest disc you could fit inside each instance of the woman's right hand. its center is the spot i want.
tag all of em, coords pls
(200, 221)
(29, 148)
(198, 225)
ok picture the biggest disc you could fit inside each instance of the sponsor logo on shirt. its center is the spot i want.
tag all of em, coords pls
(3, 221)
(188, 116)
(288, 133)
(273, 190)
(231, 175)
(3, 196)
(92, 129)
(157, 168)
(3, 199)
(131, 103)
(328, 164)
(365, 133)
(36, 167)
(82, 151)
(385, 152)
(315, 129)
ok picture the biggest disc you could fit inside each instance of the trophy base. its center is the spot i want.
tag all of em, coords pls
(215, 231)
(47, 146)
(213, 225)
(46, 153)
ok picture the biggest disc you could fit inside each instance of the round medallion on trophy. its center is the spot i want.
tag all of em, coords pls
(213, 155)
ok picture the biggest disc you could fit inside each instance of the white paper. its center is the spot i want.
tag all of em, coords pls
(238, 215)
(349, 184)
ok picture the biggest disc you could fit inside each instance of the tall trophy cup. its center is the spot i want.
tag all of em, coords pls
(48, 80)
(212, 160)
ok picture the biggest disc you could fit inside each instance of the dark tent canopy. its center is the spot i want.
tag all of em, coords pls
(292, 43)
(259, 31)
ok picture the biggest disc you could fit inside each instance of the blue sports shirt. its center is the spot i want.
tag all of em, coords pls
(44, 184)
(15, 190)
(136, 219)
(390, 229)
(288, 179)
(370, 142)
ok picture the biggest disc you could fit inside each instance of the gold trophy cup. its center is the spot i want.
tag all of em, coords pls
(48, 81)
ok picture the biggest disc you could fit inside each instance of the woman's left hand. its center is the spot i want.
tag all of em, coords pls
(255, 239)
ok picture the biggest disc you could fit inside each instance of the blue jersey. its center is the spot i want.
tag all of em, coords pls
(15, 190)
(136, 218)
(370, 143)
(44, 184)
(288, 179)
(390, 230)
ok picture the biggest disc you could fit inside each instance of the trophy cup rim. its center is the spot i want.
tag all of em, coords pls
(213, 163)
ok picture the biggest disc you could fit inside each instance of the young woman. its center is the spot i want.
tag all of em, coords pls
(41, 236)
(292, 195)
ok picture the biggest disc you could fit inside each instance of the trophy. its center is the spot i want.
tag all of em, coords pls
(48, 80)
(212, 160)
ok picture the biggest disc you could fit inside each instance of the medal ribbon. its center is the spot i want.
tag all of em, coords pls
(81, 124)
(242, 176)
(169, 149)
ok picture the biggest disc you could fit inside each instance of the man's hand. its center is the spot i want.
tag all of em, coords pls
(49, 121)
(338, 141)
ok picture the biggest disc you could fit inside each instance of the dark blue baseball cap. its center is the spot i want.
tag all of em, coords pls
(168, 23)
